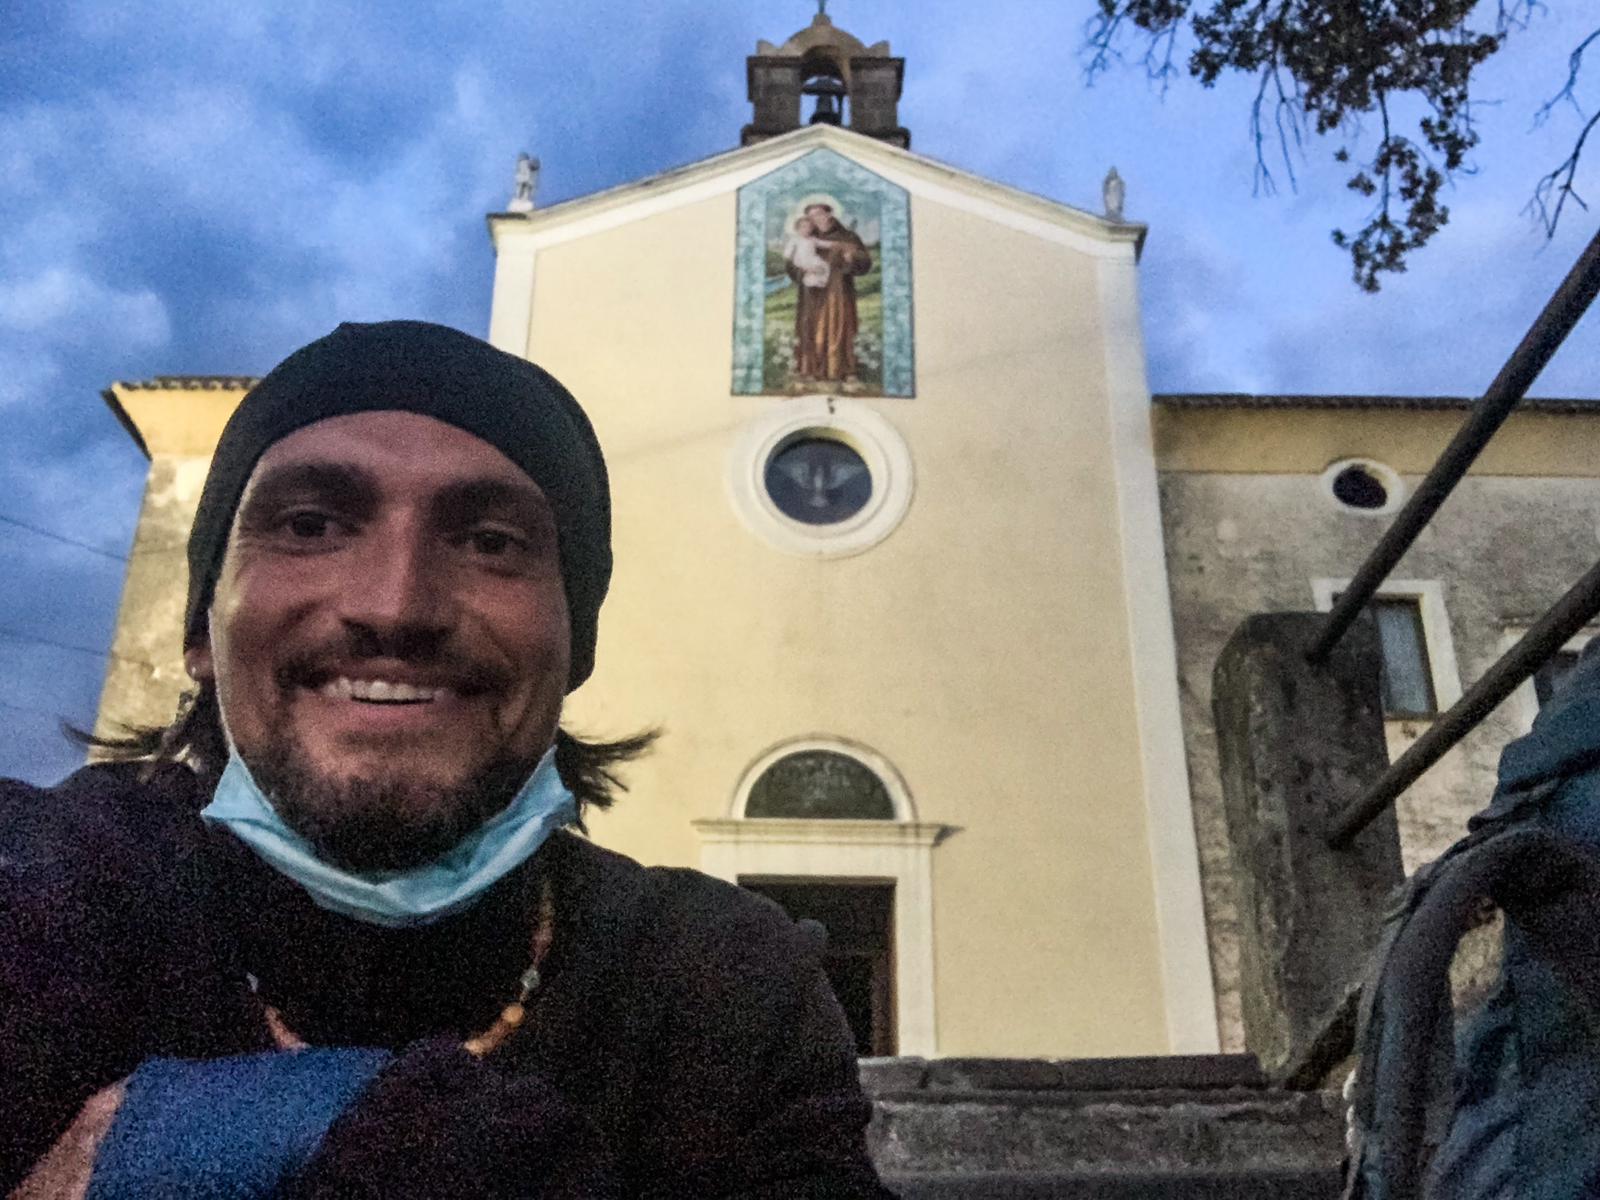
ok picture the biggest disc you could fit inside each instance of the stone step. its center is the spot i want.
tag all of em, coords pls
(1099, 1124)
(1036, 1185)
(1012, 1131)
(1185, 1072)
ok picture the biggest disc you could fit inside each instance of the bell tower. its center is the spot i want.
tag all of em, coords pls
(840, 79)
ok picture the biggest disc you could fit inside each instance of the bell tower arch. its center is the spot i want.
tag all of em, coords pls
(825, 76)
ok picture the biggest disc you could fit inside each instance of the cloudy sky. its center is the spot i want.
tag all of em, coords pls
(199, 186)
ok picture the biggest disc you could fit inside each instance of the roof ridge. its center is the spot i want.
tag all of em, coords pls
(1351, 400)
(189, 382)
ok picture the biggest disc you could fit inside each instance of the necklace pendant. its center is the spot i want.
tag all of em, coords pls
(514, 1014)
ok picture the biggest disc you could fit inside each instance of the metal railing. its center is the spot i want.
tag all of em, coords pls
(1574, 610)
(1565, 618)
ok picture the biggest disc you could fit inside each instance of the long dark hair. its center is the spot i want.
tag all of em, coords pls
(589, 768)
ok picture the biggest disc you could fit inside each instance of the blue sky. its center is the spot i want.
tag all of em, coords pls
(194, 188)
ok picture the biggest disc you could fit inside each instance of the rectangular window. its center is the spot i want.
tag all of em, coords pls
(1407, 674)
(1417, 663)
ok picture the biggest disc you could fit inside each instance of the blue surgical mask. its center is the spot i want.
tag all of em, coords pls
(420, 895)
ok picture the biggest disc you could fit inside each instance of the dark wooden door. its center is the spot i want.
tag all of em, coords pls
(859, 959)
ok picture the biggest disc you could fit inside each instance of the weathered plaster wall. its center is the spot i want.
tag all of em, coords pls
(178, 422)
(146, 674)
(1503, 549)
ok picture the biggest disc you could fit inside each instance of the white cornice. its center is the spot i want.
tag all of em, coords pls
(714, 830)
(726, 172)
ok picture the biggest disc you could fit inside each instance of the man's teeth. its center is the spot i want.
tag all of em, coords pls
(380, 690)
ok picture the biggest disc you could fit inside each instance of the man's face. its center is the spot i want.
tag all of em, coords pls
(821, 217)
(389, 633)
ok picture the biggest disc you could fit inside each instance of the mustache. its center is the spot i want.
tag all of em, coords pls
(445, 666)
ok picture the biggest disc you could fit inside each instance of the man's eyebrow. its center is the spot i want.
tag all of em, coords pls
(348, 486)
(467, 499)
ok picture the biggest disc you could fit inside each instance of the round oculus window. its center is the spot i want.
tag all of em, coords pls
(820, 476)
(817, 480)
(1363, 487)
(1359, 488)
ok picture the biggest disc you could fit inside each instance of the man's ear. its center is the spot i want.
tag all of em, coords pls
(197, 660)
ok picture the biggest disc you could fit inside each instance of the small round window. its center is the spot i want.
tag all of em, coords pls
(1359, 485)
(820, 476)
(817, 480)
(1359, 488)
(819, 785)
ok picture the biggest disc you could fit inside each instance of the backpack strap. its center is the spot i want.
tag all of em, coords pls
(1402, 1098)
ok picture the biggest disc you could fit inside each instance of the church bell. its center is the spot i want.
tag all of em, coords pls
(830, 94)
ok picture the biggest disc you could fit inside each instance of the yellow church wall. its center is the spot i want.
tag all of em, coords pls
(982, 648)
(177, 422)
(178, 428)
(1307, 440)
(144, 673)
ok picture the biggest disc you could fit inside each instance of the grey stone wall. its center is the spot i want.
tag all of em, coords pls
(1502, 548)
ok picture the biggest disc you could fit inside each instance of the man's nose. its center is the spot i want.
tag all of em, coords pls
(399, 583)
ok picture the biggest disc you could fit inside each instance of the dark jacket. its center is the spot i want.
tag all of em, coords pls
(684, 1042)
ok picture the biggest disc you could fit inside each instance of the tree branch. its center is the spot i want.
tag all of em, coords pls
(1323, 64)
(1568, 90)
(1558, 183)
(1515, 14)
(1159, 19)
(1100, 42)
(1556, 187)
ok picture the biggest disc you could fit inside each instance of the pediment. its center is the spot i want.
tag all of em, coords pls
(919, 175)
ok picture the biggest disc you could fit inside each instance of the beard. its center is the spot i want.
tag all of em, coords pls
(370, 825)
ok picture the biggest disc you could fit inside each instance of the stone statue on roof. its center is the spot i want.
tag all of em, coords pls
(527, 183)
(1113, 193)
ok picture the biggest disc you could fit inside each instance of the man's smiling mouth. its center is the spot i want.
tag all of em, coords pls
(381, 691)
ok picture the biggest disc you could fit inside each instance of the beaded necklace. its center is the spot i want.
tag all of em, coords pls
(511, 1016)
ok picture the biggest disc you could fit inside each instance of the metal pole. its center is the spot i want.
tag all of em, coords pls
(1541, 341)
(1564, 619)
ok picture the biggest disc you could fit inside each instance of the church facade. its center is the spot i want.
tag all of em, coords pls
(920, 584)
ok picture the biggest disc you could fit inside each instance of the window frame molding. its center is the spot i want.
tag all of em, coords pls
(1437, 639)
(812, 850)
(815, 851)
(1393, 485)
(899, 795)
(864, 430)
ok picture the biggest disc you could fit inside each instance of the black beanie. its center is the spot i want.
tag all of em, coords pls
(417, 367)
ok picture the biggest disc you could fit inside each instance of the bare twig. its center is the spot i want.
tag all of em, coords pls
(1515, 14)
(1162, 24)
(1286, 114)
(1386, 175)
(1160, 67)
(1264, 184)
(1568, 92)
(1556, 187)
(1558, 183)
(1100, 43)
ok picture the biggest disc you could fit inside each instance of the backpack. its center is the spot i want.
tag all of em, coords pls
(1510, 1108)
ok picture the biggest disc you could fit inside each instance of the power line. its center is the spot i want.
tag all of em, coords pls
(18, 636)
(61, 537)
